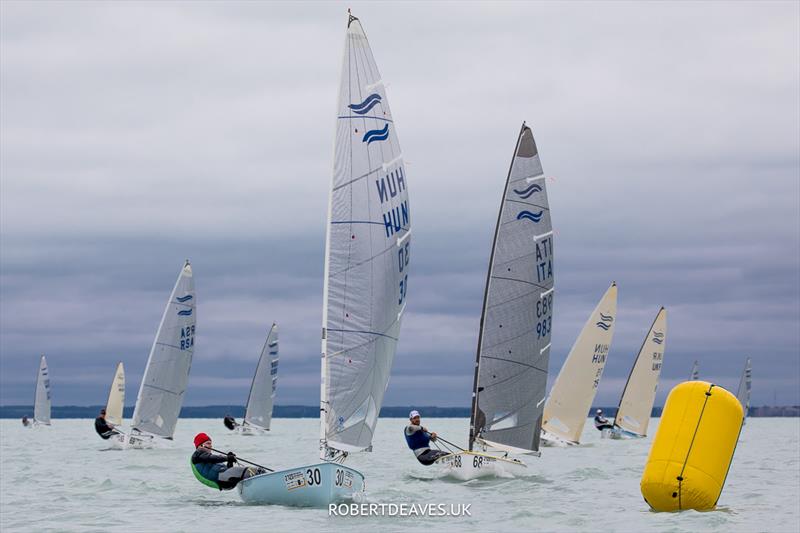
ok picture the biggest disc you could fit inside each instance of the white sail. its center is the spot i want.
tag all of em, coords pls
(41, 404)
(572, 394)
(158, 404)
(745, 384)
(265, 380)
(694, 375)
(516, 321)
(636, 403)
(367, 254)
(116, 397)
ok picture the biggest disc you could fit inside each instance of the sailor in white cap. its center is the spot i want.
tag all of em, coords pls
(601, 422)
(419, 438)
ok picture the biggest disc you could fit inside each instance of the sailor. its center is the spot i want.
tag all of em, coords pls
(601, 422)
(25, 421)
(103, 427)
(419, 438)
(216, 470)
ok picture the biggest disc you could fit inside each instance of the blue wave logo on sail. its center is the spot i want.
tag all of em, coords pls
(183, 299)
(605, 322)
(529, 191)
(658, 337)
(527, 215)
(185, 312)
(376, 135)
(368, 103)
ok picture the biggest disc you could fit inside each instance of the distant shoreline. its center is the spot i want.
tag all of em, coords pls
(309, 411)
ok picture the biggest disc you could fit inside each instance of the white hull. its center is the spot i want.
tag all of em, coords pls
(620, 434)
(467, 465)
(307, 486)
(554, 441)
(138, 441)
(250, 430)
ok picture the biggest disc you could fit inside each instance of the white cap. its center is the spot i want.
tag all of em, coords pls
(599, 411)
(412, 414)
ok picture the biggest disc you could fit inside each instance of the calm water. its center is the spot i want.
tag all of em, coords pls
(63, 478)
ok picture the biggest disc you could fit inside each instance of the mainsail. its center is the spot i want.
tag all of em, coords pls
(576, 385)
(116, 397)
(516, 320)
(637, 399)
(41, 404)
(744, 387)
(366, 254)
(262, 390)
(164, 383)
(694, 375)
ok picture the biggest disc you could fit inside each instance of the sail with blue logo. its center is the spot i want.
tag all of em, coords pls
(575, 386)
(42, 401)
(745, 384)
(262, 390)
(639, 394)
(516, 320)
(366, 257)
(166, 375)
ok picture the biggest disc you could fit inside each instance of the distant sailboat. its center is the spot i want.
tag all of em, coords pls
(258, 413)
(576, 385)
(694, 375)
(158, 404)
(745, 383)
(366, 284)
(636, 403)
(116, 397)
(41, 404)
(515, 328)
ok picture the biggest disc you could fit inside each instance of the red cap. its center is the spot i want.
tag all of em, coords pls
(200, 438)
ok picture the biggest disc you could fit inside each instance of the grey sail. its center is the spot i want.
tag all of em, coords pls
(367, 254)
(516, 322)
(745, 384)
(265, 380)
(694, 375)
(164, 383)
(41, 404)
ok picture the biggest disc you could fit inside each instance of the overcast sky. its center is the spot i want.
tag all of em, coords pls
(134, 135)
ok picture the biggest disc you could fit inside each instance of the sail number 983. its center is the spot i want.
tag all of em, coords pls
(544, 321)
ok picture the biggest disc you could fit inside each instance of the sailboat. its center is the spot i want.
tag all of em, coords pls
(365, 287)
(160, 397)
(694, 375)
(116, 397)
(258, 413)
(576, 385)
(42, 402)
(636, 403)
(515, 327)
(745, 383)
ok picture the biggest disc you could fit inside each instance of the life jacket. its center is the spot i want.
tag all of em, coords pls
(417, 440)
(207, 473)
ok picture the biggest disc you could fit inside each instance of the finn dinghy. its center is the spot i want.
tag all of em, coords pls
(366, 281)
(258, 413)
(160, 397)
(636, 403)
(576, 385)
(744, 388)
(42, 402)
(515, 327)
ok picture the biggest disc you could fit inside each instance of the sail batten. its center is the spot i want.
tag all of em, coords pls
(262, 390)
(516, 321)
(42, 400)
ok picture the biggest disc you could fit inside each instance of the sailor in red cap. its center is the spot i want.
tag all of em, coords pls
(216, 470)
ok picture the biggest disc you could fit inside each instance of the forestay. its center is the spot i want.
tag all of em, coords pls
(41, 404)
(637, 399)
(116, 397)
(367, 254)
(516, 320)
(265, 380)
(576, 385)
(164, 383)
(745, 384)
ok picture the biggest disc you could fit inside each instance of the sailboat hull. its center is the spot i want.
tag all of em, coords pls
(621, 434)
(554, 441)
(139, 441)
(317, 485)
(474, 465)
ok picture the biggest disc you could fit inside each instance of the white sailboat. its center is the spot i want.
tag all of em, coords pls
(116, 397)
(42, 402)
(575, 387)
(694, 375)
(258, 413)
(745, 383)
(160, 397)
(636, 403)
(366, 282)
(515, 328)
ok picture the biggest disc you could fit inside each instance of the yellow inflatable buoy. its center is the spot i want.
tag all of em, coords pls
(693, 448)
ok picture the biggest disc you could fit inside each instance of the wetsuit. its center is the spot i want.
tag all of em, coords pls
(103, 429)
(601, 423)
(209, 469)
(418, 439)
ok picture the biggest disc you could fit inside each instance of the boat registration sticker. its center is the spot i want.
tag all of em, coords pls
(295, 480)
